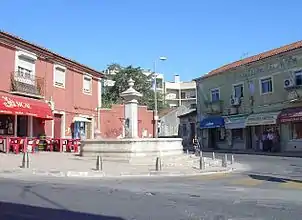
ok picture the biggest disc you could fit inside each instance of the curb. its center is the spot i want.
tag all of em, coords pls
(253, 153)
(90, 175)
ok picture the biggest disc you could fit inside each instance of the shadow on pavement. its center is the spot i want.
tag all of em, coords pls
(13, 211)
(273, 178)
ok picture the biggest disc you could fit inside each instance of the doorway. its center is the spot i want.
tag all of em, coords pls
(22, 126)
(57, 128)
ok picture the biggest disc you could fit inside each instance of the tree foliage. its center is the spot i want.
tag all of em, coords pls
(143, 84)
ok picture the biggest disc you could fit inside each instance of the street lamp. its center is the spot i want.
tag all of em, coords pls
(155, 126)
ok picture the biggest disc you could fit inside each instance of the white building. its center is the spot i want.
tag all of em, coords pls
(179, 93)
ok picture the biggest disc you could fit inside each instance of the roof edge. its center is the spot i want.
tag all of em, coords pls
(252, 59)
(44, 51)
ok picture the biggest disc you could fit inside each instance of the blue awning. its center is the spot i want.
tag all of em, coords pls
(212, 122)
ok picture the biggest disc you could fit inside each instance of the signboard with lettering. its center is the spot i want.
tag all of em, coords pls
(291, 115)
(262, 119)
(9, 103)
(285, 63)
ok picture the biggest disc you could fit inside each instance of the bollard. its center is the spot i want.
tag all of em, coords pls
(201, 163)
(200, 153)
(23, 160)
(99, 163)
(27, 160)
(213, 155)
(187, 151)
(224, 161)
(232, 159)
(158, 164)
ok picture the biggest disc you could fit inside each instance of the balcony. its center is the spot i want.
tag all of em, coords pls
(215, 107)
(27, 84)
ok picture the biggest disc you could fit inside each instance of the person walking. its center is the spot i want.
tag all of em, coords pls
(270, 138)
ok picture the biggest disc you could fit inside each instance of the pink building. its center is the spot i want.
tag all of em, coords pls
(42, 92)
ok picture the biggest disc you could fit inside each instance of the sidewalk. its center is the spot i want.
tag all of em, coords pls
(70, 165)
(252, 152)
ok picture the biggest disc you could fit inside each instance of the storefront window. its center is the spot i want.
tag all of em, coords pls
(297, 130)
(6, 125)
(237, 134)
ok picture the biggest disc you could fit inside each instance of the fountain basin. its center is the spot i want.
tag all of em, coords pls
(132, 150)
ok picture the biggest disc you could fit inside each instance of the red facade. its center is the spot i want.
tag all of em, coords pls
(29, 70)
(111, 121)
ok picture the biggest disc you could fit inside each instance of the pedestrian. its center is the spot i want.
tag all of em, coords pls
(195, 144)
(270, 138)
(264, 141)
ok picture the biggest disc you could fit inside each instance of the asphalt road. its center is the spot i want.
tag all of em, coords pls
(253, 194)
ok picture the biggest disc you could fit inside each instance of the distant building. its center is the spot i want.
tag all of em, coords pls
(179, 93)
(175, 93)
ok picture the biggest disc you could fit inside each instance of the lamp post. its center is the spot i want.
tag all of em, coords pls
(155, 126)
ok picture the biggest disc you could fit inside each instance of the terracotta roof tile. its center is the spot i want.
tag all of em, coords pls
(254, 58)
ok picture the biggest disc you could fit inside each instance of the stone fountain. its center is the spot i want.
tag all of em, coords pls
(131, 149)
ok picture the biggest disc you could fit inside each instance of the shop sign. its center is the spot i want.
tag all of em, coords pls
(285, 63)
(291, 117)
(10, 103)
(261, 120)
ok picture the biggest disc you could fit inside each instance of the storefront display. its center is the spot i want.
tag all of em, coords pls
(6, 125)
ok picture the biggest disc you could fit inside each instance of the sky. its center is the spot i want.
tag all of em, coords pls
(196, 36)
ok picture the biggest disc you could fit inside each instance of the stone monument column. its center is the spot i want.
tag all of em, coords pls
(131, 109)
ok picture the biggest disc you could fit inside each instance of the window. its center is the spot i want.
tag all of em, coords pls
(266, 85)
(215, 95)
(297, 130)
(298, 78)
(25, 70)
(59, 76)
(182, 95)
(237, 134)
(87, 84)
(238, 91)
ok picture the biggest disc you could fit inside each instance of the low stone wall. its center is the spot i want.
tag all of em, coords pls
(132, 150)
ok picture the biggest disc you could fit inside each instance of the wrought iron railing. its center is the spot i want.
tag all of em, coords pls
(27, 83)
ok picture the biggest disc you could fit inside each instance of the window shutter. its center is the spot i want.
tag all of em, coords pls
(87, 84)
(59, 77)
(26, 63)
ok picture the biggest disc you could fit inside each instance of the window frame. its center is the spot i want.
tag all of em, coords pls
(211, 90)
(87, 76)
(57, 66)
(298, 72)
(260, 84)
(233, 89)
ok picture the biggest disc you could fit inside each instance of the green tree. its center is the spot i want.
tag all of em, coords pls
(143, 84)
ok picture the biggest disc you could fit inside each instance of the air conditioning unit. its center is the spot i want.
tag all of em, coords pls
(288, 83)
(234, 101)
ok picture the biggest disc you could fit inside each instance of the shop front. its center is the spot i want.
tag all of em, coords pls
(236, 132)
(213, 132)
(259, 125)
(291, 129)
(22, 117)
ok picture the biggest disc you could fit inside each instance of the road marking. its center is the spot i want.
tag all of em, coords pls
(246, 182)
(291, 185)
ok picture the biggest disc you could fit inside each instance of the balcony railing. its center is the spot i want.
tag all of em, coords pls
(28, 84)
